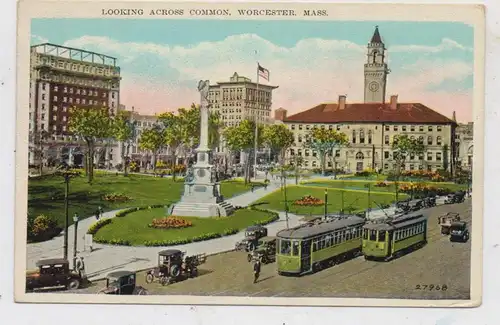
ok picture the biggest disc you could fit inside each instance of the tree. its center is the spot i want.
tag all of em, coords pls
(91, 125)
(278, 138)
(241, 138)
(324, 141)
(152, 139)
(124, 131)
(176, 133)
(37, 142)
(445, 157)
(402, 147)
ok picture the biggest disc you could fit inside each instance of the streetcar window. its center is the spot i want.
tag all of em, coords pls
(328, 240)
(285, 247)
(381, 236)
(295, 248)
(348, 235)
(365, 233)
(315, 246)
(373, 235)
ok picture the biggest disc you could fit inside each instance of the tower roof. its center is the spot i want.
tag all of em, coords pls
(376, 36)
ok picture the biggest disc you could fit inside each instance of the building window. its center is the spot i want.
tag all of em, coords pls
(44, 85)
(395, 128)
(43, 107)
(65, 89)
(421, 139)
(307, 152)
(337, 153)
(439, 128)
(361, 136)
(314, 153)
(338, 127)
(421, 128)
(292, 152)
(83, 100)
(330, 127)
(386, 154)
(300, 126)
(386, 140)
(420, 167)
(412, 156)
(438, 141)
(43, 97)
(299, 152)
(56, 88)
(387, 128)
(430, 128)
(360, 156)
(43, 116)
(299, 138)
(293, 127)
(71, 99)
(353, 136)
(314, 163)
(370, 136)
(307, 127)
(71, 90)
(429, 140)
(438, 156)
(386, 166)
(55, 98)
(412, 128)
(403, 128)
(429, 156)
(412, 167)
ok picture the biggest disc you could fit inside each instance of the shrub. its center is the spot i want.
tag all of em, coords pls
(42, 228)
(134, 167)
(170, 222)
(98, 225)
(116, 197)
(308, 200)
(113, 241)
(381, 184)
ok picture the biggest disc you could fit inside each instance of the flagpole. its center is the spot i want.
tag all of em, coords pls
(256, 127)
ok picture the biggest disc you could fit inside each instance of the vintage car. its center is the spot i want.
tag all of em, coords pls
(173, 265)
(445, 221)
(266, 251)
(53, 272)
(122, 283)
(409, 206)
(429, 201)
(459, 232)
(457, 197)
(252, 236)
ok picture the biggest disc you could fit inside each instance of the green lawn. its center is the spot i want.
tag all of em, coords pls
(360, 185)
(134, 226)
(357, 200)
(46, 194)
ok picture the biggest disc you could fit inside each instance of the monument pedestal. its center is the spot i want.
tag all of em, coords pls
(202, 196)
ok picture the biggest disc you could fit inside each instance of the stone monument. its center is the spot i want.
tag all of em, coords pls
(202, 196)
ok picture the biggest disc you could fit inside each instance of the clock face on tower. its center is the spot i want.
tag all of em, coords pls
(373, 86)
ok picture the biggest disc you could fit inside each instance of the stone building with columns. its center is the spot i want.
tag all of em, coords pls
(465, 145)
(371, 126)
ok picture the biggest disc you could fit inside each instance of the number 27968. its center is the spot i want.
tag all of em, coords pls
(431, 287)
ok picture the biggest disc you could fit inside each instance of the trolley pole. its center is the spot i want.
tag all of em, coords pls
(342, 198)
(66, 219)
(369, 200)
(326, 203)
(286, 203)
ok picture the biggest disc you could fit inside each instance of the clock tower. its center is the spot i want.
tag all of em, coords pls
(376, 70)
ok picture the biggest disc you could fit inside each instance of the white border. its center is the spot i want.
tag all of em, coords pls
(42, 314)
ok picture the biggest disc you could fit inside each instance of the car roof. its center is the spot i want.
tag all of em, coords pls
(253, 228)
(119, 274)
(268, 238)
(168, 252)
(458, 223)
(51, 261)
(310, 230)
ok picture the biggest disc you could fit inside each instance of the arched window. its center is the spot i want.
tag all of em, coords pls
(374, 56)
(421, 139)
(370, 133)
(360, 156)
(429, 140)
(386, 140)
(412, 138)
(361, 136)
(353, 136)
(438, 141)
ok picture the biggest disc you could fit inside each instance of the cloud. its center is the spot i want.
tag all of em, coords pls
(38, 39)
(157, 77)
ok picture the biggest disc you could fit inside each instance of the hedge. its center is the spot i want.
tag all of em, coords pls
(152, 243)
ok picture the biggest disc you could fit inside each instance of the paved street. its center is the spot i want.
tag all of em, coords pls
(438, 263)
(105, 258)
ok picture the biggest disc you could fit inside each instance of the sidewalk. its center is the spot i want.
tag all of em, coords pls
(107, 258)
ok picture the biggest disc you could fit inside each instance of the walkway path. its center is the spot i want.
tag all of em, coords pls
(106, 258)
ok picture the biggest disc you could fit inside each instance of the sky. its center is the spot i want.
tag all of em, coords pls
(312, 62)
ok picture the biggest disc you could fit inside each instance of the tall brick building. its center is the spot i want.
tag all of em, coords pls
(62, 77)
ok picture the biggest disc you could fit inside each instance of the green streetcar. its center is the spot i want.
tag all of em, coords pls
(309, 248)
(391, 238)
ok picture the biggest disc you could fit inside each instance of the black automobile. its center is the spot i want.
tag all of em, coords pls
(459, 232)
(457, 197)
(429, 201)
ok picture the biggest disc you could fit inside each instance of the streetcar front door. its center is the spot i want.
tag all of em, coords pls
(389, 246)
(305, 256)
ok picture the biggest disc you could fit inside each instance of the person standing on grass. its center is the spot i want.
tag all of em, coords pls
(256, 270)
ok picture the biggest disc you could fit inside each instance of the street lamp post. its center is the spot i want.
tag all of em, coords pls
(326, 203)
(369, 200)
(75, 246)
(66, 214)
(286, 201)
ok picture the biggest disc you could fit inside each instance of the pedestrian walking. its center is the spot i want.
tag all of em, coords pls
(80, 267)
(251, 187)
(256, 270)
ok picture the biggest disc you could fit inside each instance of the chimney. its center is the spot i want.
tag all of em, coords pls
(454, 118)
(280, 114)
(394, 102)
(342, 102)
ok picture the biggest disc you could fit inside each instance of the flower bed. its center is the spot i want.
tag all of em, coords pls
(98, 225)
(170, 222)
(431, 175)
(308, 200)
(116, 197)
(423, 189)
(381, 184)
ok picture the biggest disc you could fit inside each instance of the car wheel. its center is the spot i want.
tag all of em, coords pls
(149, 278)
(73, 284)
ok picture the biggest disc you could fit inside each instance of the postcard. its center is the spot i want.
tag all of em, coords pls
(249, 153)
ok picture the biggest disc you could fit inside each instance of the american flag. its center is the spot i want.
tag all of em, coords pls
(263, 72)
